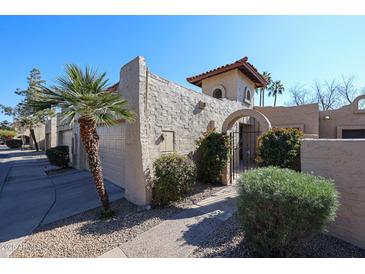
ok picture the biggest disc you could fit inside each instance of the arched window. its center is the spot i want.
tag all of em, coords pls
(247, 95)
(361, 104)
(217, 93)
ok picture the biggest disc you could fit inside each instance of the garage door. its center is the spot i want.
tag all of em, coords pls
(65, 139)
(112, 152)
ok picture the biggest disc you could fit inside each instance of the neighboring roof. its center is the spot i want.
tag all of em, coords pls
(243, 65)
(113, 88)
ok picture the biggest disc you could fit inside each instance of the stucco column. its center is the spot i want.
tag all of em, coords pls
(132, 86)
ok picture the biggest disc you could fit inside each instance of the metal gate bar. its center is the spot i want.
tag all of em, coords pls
(245, 159)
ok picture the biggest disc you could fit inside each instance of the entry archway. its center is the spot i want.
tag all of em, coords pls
(243, 140)
(238, 114)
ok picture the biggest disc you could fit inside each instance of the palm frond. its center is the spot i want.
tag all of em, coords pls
(82, 93)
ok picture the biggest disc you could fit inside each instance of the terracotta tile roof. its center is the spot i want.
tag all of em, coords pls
(243, 65)
(113, 88)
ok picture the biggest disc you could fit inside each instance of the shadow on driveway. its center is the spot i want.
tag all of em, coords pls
(30, 198)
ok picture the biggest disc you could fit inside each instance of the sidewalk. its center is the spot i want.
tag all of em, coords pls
(29, 198)
(179, 236)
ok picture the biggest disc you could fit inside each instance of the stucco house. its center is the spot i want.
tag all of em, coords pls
(171, 117)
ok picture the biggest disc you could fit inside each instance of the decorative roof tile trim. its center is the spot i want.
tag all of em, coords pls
(243, 65)
(113, 88)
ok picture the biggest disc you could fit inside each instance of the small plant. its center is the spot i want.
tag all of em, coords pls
(58, 156)
(14, 143)
(175, 175)
(280, 147)
(278, 208)
(212, 156)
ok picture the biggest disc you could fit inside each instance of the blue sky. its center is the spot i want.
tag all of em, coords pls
(295, 49)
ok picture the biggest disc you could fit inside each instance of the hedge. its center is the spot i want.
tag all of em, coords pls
(280, 147)
(212, 156)
(175, 176)
(279, 208)
(58, 156)
(14, 143)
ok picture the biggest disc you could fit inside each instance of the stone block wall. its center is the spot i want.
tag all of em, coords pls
(162, 106)
(343, 161)
(171, 107)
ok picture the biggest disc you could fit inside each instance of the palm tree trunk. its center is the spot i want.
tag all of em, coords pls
(263, 98)
(90, 139)
(31, 131)
(275, 100)
(260, 97)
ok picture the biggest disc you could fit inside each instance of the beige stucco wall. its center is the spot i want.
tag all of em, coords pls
(112, 153)
(305, 117)
(64, 135)
(128, 150)
(39, 132)
(161, 105)
(51, 133)
(233, 83)
(347, 117)
(343, 161)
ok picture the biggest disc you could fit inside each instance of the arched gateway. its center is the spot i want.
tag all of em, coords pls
(243, 127)
(235, 116)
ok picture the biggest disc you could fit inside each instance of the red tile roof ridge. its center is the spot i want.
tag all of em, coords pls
(243, 61)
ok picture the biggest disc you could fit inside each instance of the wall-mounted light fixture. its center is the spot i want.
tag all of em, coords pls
(202, 104)
(326, 117)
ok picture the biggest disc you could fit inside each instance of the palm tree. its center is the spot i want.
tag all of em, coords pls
(267, 76)
(83, 97)
(276, 88)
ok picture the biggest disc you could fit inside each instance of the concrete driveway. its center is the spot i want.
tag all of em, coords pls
(29, 198)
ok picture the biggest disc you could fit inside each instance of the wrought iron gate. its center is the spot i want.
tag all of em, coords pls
(243, 143)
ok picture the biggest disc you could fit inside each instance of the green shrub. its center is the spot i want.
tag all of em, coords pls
(58, 156)
(280, 147)
(14, 143)
(279, 208)
(175, 175)
(7, 133)
(212, 156)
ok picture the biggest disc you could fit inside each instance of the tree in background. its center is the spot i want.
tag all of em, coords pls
(328, 94)
(347, 89)
(6, 125)
(6, 131)
(25, 117)
(82, 96)
(7, 134)
(300, 95)
(267, 76)
(276, 88)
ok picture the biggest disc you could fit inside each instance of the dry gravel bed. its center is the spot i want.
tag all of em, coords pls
(228, 242)
(86, 235)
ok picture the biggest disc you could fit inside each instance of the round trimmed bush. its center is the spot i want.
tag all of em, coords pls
(175, 175)
(280, 147)
(14, 143)
(58, 156)
(279, 208)
(212, 156)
